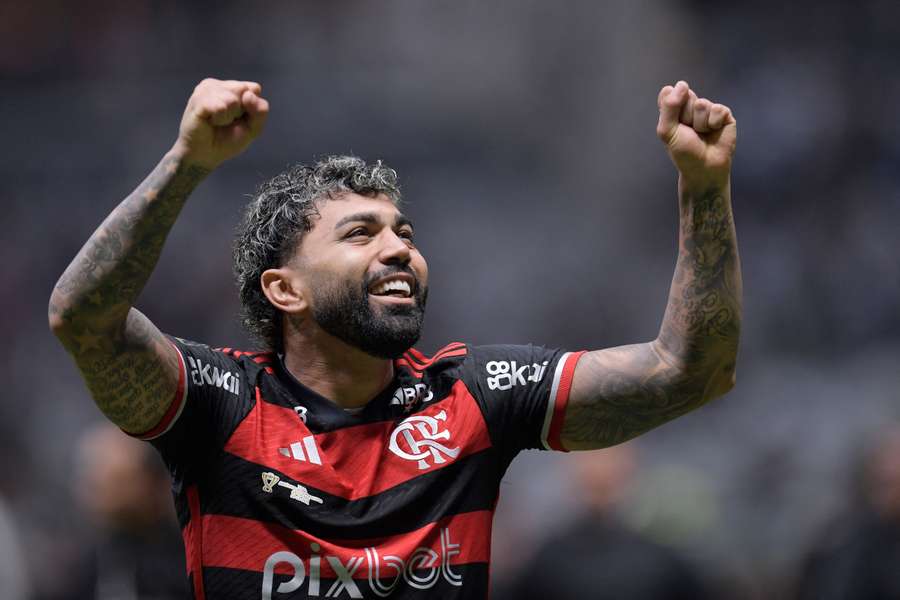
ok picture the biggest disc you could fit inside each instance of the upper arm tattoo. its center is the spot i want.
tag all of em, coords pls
(622, 392)
(133, 375)
(619, 393)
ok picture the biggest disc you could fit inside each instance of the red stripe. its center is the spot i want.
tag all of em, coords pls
(448, 354)
(400, 362)
(413, 361)
(421, 358)
(562, 399)
(416, 367)
(193, 542)
(237, 543)
(177, 401)
(259, 356)
(450, 346)
(421, 362)
(356, 461)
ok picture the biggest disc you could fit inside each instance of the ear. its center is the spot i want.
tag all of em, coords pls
(284, 290)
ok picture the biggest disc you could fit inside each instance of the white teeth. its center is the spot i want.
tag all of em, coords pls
(393, 285)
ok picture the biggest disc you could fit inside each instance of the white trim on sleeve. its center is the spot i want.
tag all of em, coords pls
(551, 401)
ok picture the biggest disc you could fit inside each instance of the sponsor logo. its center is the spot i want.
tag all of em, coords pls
(298, 492)
(506, 374)
(304, 450)
(415, 438)
(421, 570)
(301, 412)
(407, 397)
(207, 374)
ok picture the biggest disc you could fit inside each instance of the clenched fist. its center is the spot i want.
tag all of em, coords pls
(700, 135)
(220, 121)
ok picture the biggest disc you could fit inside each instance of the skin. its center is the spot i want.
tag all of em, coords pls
(619, 393)
(354, 236)
(132, 370)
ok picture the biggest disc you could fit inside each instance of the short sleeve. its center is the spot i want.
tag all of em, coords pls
(210, 400)
(523, 392)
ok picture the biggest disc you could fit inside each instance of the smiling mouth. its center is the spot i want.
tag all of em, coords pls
(394, 289)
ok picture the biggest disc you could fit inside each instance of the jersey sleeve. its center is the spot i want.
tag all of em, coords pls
(522, 392)
(211, 397)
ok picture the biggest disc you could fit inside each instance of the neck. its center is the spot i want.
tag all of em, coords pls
(341, 373)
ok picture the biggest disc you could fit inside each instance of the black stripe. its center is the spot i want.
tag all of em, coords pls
(234, 488)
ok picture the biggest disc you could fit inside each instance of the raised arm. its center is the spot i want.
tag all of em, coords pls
(130, 368)
(619, 393)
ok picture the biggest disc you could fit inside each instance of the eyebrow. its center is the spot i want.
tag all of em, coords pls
(373, 218)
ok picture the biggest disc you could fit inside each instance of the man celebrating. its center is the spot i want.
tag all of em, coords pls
(341, 462)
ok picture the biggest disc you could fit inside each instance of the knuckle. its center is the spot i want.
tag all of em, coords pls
(221, 104)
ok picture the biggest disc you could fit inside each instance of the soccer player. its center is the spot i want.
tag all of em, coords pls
(341, 462)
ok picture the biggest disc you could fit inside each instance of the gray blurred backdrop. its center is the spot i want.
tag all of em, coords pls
(523, 132)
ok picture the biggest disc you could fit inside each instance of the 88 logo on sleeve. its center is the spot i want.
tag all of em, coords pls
(506, 374)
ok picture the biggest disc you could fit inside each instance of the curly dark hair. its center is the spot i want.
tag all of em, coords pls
(275, 220)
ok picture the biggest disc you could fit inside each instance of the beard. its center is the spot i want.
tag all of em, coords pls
(385, 331)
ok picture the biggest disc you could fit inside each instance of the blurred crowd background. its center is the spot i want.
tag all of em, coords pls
(523, 132)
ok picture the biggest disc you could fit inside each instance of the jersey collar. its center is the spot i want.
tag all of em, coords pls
(328, 414)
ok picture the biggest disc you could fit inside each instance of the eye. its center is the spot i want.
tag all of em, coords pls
(406, 234)
(357, 232)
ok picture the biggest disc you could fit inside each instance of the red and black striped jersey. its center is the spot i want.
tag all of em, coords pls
(282, 494)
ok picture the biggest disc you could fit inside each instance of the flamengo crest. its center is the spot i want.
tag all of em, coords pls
(415, 439)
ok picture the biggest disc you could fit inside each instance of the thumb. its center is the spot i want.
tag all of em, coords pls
(671, 100)
(728, 136)
(729, 131)
(257, 111)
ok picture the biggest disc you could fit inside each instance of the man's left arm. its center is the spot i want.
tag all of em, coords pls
(619, 393)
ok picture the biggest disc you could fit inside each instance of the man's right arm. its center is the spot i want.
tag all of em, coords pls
(129, 366)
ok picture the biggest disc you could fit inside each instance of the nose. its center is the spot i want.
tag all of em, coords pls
(394, 250)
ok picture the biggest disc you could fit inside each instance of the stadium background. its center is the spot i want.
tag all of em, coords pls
(524, 136)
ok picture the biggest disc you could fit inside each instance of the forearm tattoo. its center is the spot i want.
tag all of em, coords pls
(622, 392)
(702, 320)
